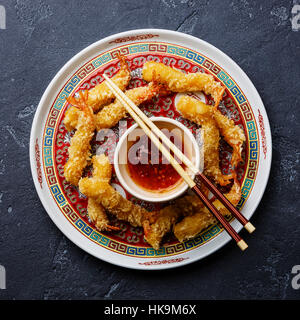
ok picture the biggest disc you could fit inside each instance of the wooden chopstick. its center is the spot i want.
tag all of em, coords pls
(230, 207)
(132, 110)
(236, 213)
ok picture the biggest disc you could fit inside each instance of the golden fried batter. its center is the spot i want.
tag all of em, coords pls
(111, 199)
(200, 218)
(71, 118)
(211, 138)
(102, 171)
(232, 134)
(99, 95)
(79, 150)
(166, 218)
(164, 221)
(156, 225)
(102, 95)
(194, 109)
(178, 81)
(97, 214)
(190, 226)
(202, 114)
(111, 114)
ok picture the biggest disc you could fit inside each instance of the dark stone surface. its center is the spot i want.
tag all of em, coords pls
(41, 36)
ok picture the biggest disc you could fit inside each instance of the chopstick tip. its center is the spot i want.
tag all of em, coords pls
(249, 227)
(242, 245)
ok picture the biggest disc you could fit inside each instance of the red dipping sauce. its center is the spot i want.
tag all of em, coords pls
(148, 168)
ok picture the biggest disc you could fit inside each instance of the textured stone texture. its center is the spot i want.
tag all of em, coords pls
(41, 36)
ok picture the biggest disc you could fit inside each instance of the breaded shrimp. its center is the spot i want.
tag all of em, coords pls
(71, 118)
(155, 224)
(211, 144)
(232, 134)
(234, 196)
(202, 114)
(79, 150)
(102, 95)
(166, 218)
(178, 81)
(200, 218)
(164, 221)
(97, 214)
(102, 171)
(111, 114)
(111, 199)
(99, 95)
(194, 109)
(191, 225)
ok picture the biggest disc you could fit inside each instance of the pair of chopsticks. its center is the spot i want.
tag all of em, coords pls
(154, 133)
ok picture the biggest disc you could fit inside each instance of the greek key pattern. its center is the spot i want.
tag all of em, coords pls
(230, 84)
(187, 59)
(69, 87)
(83, 72)
(51, 175)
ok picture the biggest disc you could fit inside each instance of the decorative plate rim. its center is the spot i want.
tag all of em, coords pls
(178, 38)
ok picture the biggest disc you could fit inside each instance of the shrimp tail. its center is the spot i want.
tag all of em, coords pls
(112, 228)
(81, 101)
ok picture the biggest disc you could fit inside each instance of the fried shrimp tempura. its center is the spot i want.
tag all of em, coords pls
(71, 118)
(232, 134)
(155, 224)
(200, 218)
(111, 114)
(99, 95)
(102, 171)
(122, 208)
(211, 144)
(163, 224)
(234, 196)
(166, 218)
(111, 199)
(194, 110)
(192, 225)
(97, 214)
(178, 81)
(202, 114)
(79, 150)
(102, 95)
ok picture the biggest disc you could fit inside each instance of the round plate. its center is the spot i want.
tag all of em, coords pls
(49, 142)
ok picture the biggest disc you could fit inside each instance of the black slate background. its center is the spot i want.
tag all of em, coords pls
(41, 36)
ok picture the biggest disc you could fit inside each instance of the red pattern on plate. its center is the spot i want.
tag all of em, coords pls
(134, 38)
(165, 261)
(263, 133)
(38, 163)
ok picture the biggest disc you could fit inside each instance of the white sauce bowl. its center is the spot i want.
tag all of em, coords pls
(191, 150)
